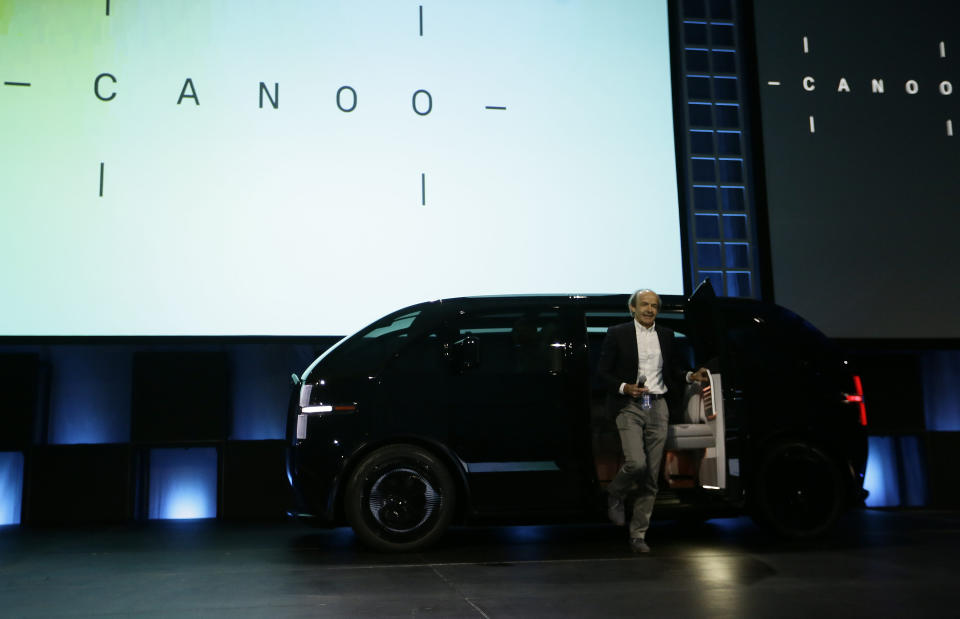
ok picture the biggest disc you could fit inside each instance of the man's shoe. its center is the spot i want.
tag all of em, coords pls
(639, 546)
(615, 511)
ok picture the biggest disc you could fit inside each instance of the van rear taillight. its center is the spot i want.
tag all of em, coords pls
(857, 398)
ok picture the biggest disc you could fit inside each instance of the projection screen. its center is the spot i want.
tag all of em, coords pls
(861, 155)
(302, 167)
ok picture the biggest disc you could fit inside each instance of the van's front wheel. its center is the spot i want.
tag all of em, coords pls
(400, 498)
(798, 490)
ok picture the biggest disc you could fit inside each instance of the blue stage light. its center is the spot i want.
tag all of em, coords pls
(526, 534)
(11, 487)
(881, 476)
(183, 483)
(914, 466)
(261, 388)
(940, 394)
(90, 395)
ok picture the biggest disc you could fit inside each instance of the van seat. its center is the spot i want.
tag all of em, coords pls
(696, 431)
(689, 436)
(687, 442)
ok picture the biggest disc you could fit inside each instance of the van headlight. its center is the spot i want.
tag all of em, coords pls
(311, 406)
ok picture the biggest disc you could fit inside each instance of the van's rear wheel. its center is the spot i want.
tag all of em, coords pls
(798, 490)
(400, 498)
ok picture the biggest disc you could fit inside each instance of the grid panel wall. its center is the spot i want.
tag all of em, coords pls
(720, 214)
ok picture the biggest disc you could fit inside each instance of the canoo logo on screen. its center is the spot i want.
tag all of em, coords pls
(207, 167)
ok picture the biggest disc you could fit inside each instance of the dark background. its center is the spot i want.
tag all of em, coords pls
(864, 212)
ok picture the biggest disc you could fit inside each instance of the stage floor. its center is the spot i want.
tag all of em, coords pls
(877, 563)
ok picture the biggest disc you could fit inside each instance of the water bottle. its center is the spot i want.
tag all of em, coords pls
(645, 400)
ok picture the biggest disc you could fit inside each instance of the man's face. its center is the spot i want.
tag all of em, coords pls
(645, 308)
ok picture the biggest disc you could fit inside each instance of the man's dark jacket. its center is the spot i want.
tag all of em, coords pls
(619, 364)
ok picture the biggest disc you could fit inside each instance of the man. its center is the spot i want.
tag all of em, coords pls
(636, 358)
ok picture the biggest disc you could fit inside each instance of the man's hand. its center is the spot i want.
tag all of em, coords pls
(633, 390)
(700, 376)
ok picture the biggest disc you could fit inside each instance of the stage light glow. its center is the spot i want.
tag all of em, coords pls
(914, 467)
(717, 577)
(940, 394)
(183, 483)
(90, 395)
(527, 534)
(11, 487)
(261, 389)
(187, 501)
(881, 475)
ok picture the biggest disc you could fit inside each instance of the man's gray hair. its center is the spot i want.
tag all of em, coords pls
(632, 302)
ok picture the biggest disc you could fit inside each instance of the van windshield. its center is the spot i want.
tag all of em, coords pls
(366, 349)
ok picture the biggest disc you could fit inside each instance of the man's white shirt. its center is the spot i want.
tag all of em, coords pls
(650, 357)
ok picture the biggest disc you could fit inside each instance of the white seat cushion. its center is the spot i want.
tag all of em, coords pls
(690, 436)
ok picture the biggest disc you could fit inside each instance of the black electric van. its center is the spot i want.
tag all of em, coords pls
(487, 408)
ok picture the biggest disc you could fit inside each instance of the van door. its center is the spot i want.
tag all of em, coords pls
(706, 329)
(514, 413)
(412, 394)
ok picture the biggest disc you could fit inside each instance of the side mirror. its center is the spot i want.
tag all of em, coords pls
(294, 380)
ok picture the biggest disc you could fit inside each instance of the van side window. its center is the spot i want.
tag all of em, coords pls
(515, 341)
(597, 323)
(397, 326)
(424, 354)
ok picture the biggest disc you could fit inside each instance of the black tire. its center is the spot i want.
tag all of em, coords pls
(400, 498)
(798, 490)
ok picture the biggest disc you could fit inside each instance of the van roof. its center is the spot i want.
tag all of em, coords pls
(584, 300)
